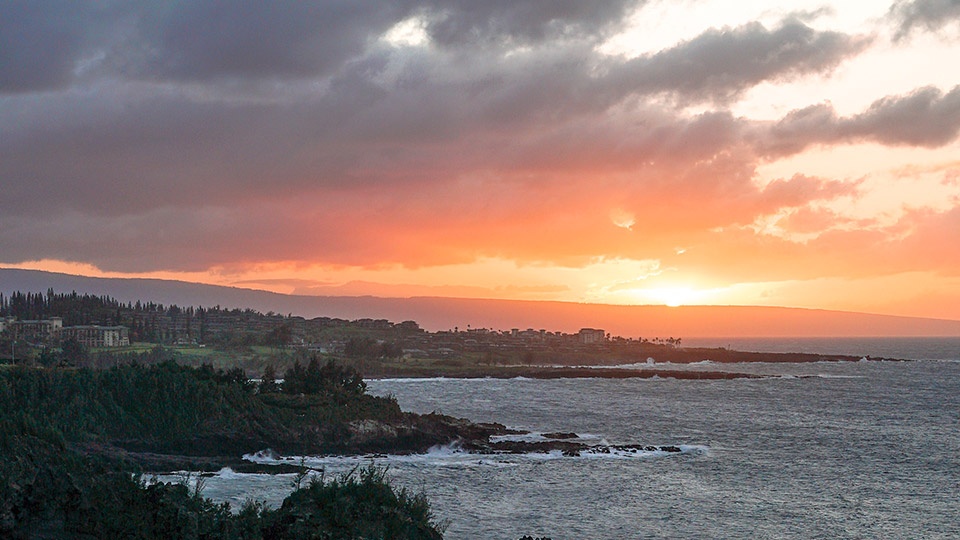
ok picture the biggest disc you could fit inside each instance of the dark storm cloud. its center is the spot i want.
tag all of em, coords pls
(909, 15)
(190, 134)
(206, 39)
(721, 64)
(210, 39)
(40, 43)
(44, 42)
(926, 117)
(127, 146)
(544, 88)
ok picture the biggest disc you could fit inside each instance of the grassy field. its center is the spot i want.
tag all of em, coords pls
(251, 359)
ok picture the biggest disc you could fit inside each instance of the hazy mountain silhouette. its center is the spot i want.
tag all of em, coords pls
(436, 313)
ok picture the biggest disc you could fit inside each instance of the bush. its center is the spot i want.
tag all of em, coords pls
(360, 504)
(49, 491)
(332, 378)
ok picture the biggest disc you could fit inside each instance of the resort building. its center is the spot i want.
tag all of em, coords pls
(52, 330)
(33, 330)
(592, 335)
(97, 336)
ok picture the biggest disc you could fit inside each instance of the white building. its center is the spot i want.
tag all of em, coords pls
(97, 336)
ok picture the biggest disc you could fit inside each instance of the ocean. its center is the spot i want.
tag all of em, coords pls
(867, 449)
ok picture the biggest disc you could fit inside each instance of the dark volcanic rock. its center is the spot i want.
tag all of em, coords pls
(558, 436)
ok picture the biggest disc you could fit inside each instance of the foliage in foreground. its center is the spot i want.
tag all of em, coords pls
(73, 501)
(48, 489)
(357, 505)
(178, 409)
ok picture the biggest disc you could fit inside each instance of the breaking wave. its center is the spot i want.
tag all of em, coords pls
(454, 456)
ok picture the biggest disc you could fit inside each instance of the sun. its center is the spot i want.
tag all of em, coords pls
(672, 296)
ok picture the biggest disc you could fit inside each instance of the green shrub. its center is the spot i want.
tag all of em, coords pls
(47, 490)
(360, 504)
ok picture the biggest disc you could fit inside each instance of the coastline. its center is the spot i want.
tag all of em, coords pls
(623, 369)
(580, 372)
(346, 423)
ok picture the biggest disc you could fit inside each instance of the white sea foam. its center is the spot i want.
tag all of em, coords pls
(431, 379)
(454, 456)
(534, 437)
(627, 452)
(519, 437)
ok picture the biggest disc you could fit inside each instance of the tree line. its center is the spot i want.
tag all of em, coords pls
(150, 322)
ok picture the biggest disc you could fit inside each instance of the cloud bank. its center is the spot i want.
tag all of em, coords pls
(141, 136)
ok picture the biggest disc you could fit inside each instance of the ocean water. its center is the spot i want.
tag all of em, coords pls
(825, 450)
(942, 348)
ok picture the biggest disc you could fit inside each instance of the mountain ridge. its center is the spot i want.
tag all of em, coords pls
(439, 313)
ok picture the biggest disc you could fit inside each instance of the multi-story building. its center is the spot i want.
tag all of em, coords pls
(592, 335)
(96, 336)
(31, 330)
(52, 330)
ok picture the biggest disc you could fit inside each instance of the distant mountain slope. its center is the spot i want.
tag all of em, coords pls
(434, 313)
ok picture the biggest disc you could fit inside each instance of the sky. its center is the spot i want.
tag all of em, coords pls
(623, 152)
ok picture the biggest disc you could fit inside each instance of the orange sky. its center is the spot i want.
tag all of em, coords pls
(612, 152)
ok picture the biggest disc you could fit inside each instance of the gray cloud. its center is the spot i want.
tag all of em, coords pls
(44, 43)
(211, 39)
(511, 23)
(926, 117)
(933, 15)
(377, 118)
(40, 43)
(209, 131)
(720, 64)
(206, 39)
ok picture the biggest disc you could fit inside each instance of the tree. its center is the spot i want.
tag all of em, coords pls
(279, 337)
(361, 347)
(315, 379)
(360, 504)
(73, 353)
(293, 379)
(268, 383)
(47, 357)
(390, 349)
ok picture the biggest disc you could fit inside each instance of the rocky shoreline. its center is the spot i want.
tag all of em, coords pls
(394, 433)
(411, 434)
(417, 434)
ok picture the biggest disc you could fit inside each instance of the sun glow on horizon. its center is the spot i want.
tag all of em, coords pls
(674, 296)
(613, 282)
(667, 295)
